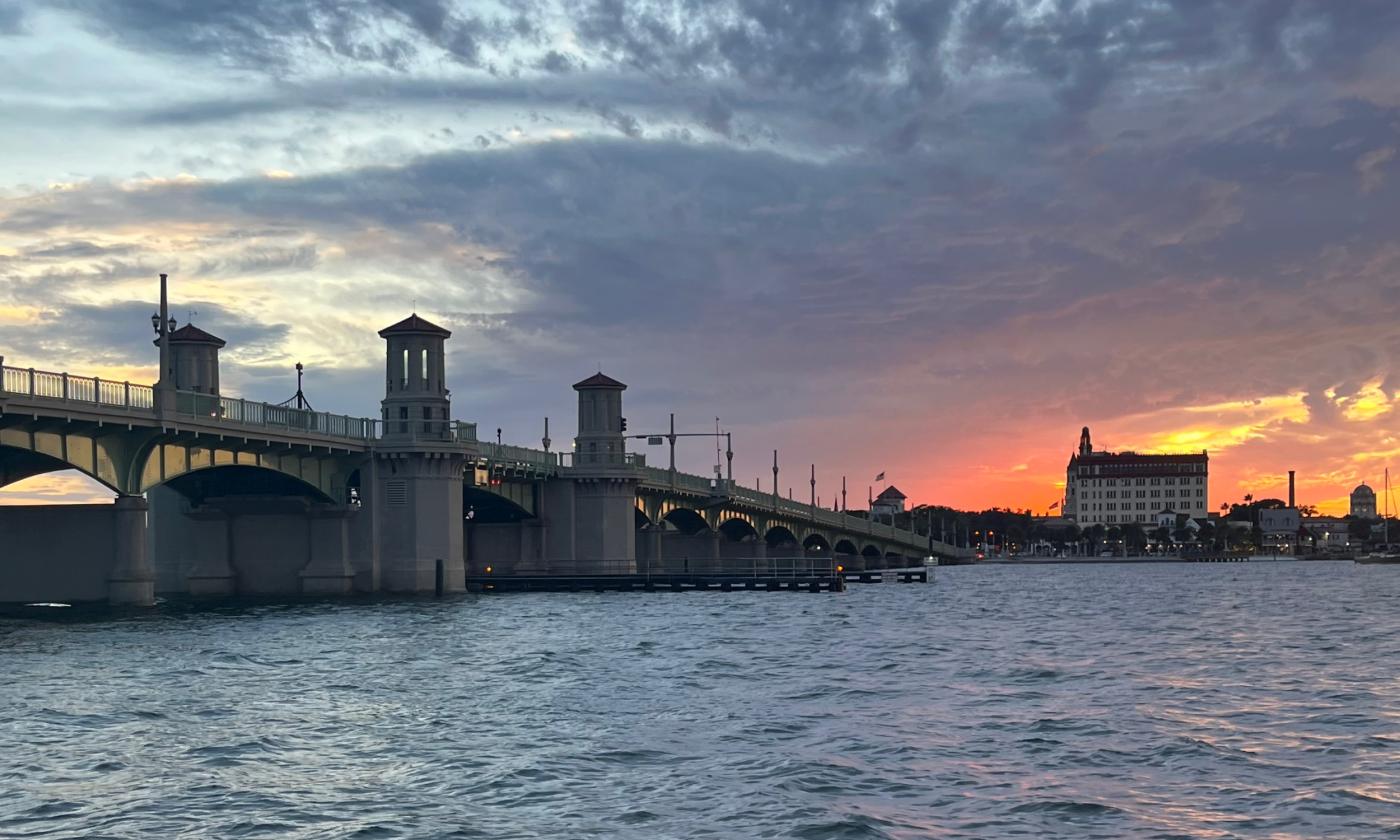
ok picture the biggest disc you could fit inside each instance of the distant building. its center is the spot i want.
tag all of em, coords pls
(1363, 502)
(1279, 526)
(888, 503)
(1328, 533)
(1116, 488)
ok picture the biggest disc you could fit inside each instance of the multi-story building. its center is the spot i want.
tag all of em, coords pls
(1116, 488)
(1363, 502)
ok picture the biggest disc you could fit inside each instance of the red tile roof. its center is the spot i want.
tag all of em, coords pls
(599, 380)
(190, 334)
(415, 324)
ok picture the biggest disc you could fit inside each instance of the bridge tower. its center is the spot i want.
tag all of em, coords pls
(194, 360)
(605, 485)
(416, 400)
(418, 466)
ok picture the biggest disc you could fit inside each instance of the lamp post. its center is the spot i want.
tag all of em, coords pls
(163, 325)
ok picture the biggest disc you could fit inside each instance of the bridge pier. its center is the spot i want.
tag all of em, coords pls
(210, 573)
(133, 578)
(328, 571)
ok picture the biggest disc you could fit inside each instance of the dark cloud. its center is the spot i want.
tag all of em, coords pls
(11, 17)
(275, 36)
(120, 333)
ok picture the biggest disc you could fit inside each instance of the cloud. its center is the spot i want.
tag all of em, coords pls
(943, 233)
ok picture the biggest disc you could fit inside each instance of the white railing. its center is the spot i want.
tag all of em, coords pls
(266, 415)
(51, 385)
(681, 481)
(504, 452)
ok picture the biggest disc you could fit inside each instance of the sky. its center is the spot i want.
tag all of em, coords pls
(930, 239)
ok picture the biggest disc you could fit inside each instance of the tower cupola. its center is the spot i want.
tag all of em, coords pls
(600, 440)
(194, 359)
(416, 403)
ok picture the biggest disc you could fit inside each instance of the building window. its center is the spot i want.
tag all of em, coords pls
(403, 417)
(424, 361)
(427, 419)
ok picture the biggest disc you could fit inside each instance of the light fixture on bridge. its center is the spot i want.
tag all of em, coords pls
(155, 322)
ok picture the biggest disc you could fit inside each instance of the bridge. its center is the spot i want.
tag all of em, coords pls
(216, 495)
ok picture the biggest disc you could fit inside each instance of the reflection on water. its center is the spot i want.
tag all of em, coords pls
(1103, 701)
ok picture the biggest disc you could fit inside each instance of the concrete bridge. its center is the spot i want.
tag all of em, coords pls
(216, 495)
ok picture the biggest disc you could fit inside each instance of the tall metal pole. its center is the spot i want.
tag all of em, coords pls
(545, 440)
(672, 438)
(164, 331)
(843, 494)
(814, 485)
(729, 457)
(775, 476)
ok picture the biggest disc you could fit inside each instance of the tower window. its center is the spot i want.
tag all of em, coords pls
(404, 379)
(403, 418)
(423, 358)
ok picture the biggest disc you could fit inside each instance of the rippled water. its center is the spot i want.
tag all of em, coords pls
(1103, 701)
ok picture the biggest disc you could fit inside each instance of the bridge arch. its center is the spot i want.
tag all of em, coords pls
(780, 535)
(686, 521)
(18, 464)
(816, 541)
(871, 551)
(225, 480)
(484, 507)
(845, 546)
(738, 529)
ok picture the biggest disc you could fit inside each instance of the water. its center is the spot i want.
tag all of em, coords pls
(1101, 701)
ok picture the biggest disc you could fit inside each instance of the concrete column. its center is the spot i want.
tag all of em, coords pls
(328, 571)
(211, 573)
(133, 578)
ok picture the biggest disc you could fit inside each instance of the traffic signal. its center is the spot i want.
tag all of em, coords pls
(624, 424)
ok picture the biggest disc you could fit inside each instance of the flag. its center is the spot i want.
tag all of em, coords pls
(880, 477)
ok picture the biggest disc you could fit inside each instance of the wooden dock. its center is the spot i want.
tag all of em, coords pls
(771, 574)
(918, 574)
(659, 582)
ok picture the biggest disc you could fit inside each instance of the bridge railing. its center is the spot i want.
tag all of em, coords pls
(680, 480)
(425, 431)
(65, 387)
(267, 415)
(518, 454)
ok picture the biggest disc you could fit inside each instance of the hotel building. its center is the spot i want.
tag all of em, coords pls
(1116, 488)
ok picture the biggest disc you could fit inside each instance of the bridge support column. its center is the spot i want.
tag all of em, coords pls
(419, 496)
(133, 578)
(211, 573)
(329, 572)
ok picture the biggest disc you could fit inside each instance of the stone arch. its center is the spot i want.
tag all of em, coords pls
(816, 541)
(845, 546)
(686, 521)
(482, 506)
(240, 480)
(738, 529)
(778, 536)
(17, 464)
(872, 551)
